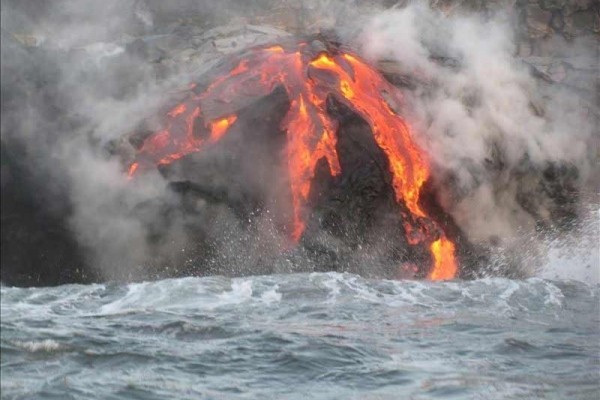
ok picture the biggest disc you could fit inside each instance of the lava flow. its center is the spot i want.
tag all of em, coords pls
(308, 80)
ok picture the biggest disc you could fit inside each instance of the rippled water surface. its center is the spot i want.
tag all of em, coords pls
(325, 336)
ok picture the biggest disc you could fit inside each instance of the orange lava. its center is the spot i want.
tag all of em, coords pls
(311, 132)
(444, 265)
(179, 109)
(219, 127)
(132, 168)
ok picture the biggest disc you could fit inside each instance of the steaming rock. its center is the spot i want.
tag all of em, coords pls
(67, 98)
(538, 22)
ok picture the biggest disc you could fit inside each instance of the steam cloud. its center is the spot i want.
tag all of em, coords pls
(485, 120)
(489, 127)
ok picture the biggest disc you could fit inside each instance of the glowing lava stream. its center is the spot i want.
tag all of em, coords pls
(311, 132)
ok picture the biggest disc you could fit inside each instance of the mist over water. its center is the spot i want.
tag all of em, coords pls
(575, 256)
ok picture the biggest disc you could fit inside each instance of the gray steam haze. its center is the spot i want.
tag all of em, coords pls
(489, 126)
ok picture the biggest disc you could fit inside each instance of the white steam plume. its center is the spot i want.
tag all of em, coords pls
(484, 119)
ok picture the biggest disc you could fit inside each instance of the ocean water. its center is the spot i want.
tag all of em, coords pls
(302, 336)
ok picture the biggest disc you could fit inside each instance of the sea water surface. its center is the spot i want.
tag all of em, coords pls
(302, 336)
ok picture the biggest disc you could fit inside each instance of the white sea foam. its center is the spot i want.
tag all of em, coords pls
(332, 282)
(362, 290)
(241, 291)
(47, 345)
(131, 301)
(554, 295)
(271, 296)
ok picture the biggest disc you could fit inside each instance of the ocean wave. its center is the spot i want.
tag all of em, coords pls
(282, 334)
(34, 346)
(179, 295)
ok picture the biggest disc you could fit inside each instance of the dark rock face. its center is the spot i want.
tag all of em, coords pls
(37, 247)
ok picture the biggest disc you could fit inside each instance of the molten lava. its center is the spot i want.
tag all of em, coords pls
(308, 80)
